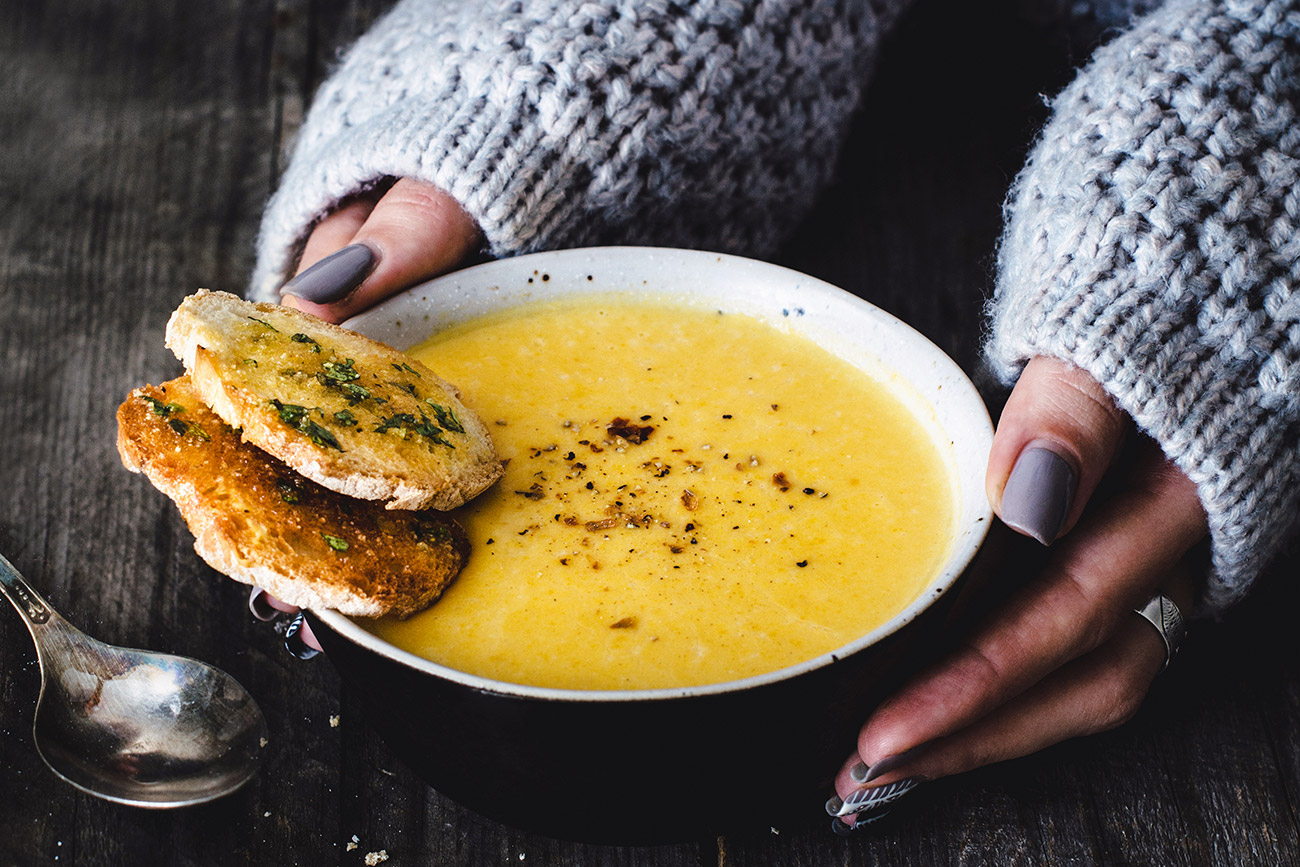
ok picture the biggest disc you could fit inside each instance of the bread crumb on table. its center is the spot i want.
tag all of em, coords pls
(373, 858)
(334, 721)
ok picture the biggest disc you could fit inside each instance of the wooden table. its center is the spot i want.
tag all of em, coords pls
(138, 142)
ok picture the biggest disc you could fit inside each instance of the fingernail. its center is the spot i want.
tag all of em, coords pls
(845, 829)
(333, 277)
(858, 773)
(877, 796)
(293, 640)
(887, 764)
(833, 805)
(1038, 494)
(261, 609)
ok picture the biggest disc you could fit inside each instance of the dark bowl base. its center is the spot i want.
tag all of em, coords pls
(637, 771)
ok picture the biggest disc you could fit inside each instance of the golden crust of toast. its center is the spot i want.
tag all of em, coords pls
(348, 412)
(259, 522)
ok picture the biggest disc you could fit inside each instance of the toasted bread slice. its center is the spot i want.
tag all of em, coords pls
(349, 413)
(259, 522)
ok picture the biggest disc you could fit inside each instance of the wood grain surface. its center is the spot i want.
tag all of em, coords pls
(138, 143)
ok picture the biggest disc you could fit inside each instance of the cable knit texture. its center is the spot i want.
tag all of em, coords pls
(1152, 240)
(560, 123)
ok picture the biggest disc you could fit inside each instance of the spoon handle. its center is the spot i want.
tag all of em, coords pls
(29, 603)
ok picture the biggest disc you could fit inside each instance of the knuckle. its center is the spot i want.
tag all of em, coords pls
(1118, 706)
(1084, 401)
(417, 207)
(417, 194)
(978, 669)
(1119, 695)
(1092, 622)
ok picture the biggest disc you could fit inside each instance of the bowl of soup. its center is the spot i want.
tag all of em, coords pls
(736, 500)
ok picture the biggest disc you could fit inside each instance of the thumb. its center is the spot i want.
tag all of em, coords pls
(414, 231)
(1058, 434)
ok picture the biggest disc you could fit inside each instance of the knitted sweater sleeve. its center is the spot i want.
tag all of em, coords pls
(560, 123)
(1153, 240)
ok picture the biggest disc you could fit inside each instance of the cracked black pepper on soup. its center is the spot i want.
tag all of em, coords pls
(691, 497)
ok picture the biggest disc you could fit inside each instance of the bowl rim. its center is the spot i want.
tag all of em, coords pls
(377, 323)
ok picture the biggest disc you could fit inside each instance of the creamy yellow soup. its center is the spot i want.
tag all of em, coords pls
(690, 497)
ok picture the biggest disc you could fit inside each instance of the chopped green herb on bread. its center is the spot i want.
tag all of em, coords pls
(345, 411)
(258, 521)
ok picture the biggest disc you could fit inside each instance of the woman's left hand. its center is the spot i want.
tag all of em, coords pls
(1066, 655)
(377, 244)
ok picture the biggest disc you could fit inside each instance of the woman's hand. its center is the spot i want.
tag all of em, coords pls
(375, 245)
(371, 247)
(1066, 655)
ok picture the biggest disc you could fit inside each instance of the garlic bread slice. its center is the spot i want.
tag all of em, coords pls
(343, 410)
(256, 520)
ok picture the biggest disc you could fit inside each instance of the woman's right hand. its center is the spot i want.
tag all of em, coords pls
(371, 247)
(1064, 655)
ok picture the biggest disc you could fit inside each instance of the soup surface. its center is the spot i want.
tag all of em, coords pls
(691, 497)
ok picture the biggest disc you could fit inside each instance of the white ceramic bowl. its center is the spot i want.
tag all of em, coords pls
(556, 732)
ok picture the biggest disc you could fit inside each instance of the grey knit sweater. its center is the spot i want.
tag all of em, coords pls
(564, 123)
(1152, 238)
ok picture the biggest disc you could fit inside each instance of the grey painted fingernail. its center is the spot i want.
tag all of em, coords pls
(877, 796)
(858, 773)
(869, 818)
(833, 805)
(293, 640)
(333, 277)
(1038, 494)
(887, 764)
(846, 829)
(261, 609)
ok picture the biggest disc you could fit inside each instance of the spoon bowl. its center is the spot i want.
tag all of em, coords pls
(133, 726)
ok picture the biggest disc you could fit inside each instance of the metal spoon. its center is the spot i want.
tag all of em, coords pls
(140, 728)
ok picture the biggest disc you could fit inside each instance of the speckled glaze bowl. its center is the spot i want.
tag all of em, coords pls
(663, 764)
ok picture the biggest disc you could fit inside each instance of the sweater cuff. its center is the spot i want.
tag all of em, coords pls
(572, 122)
(443, 143)
(1153, 241)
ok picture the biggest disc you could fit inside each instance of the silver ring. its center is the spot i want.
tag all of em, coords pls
(1163, 614)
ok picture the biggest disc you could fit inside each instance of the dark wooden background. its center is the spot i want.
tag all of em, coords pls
(138, 142)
